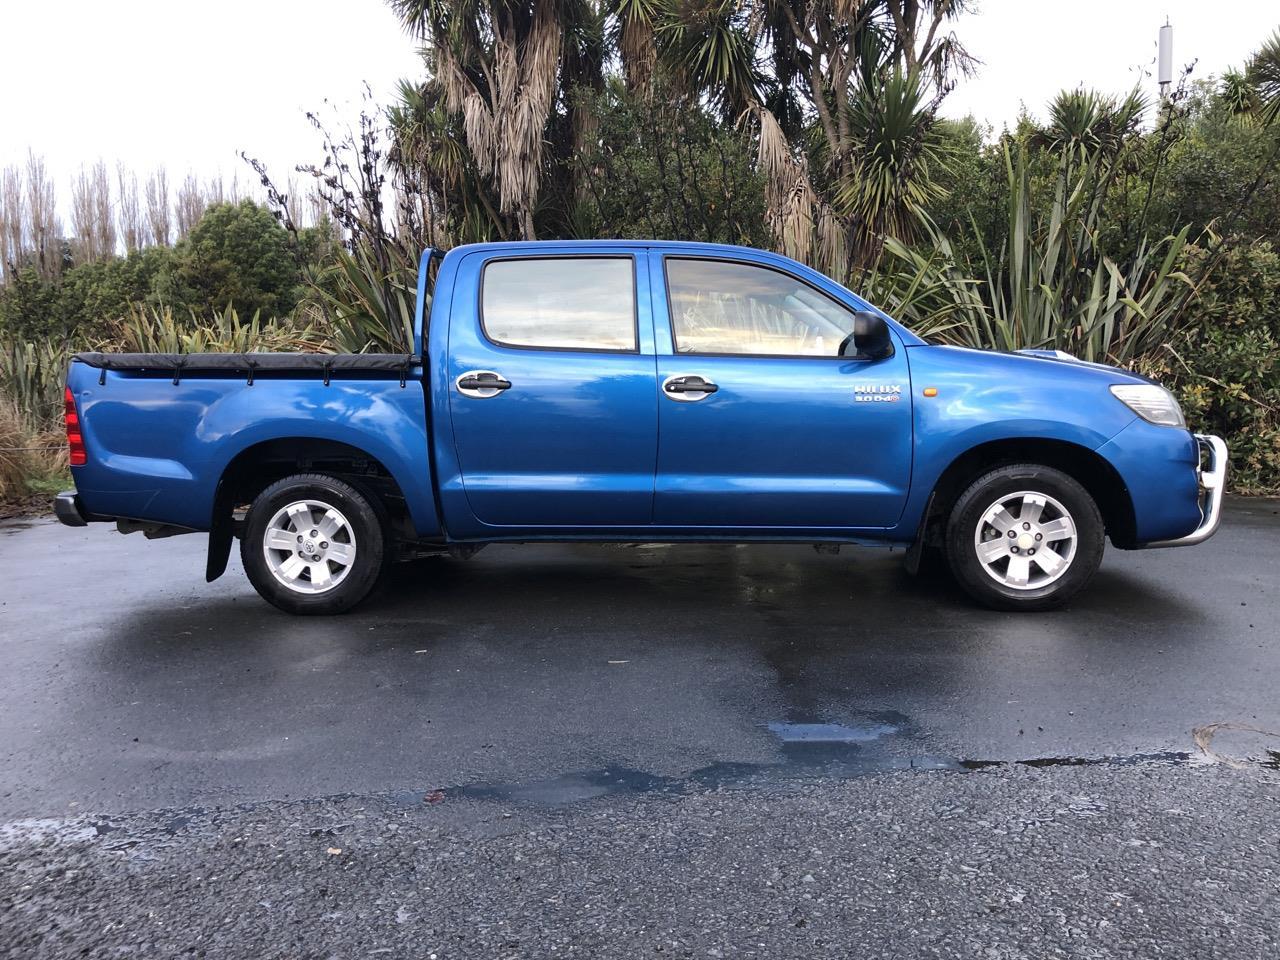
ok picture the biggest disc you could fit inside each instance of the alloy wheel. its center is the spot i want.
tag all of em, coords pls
(1025, 540)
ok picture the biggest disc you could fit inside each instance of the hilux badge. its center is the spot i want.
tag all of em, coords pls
(877, 392)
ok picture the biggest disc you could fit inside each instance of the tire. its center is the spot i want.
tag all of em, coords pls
(1049, 515)
(348, 525)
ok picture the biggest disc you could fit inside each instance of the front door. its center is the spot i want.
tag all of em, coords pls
(761, 422)
(553, 393)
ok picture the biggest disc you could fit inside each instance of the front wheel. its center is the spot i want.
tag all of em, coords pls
(1024, 537)
(313, 544)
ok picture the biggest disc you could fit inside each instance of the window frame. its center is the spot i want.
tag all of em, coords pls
(635, 303)
(671, 318)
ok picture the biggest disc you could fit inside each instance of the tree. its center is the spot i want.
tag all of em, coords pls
(844, 113)
(236, 253)
(666, 169)
(1264, 74)
(505, 67)
(28, 307)
(840, 99)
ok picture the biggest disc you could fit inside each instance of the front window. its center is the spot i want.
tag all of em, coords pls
(727, 307)
(560, 303)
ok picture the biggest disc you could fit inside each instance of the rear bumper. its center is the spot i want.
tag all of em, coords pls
(68, 509)
(66, 506)
(1212, 476)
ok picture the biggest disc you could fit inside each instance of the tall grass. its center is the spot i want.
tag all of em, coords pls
(147, 329)
(1049, 284)
(364, 306)
(32, 375)
(17, 460)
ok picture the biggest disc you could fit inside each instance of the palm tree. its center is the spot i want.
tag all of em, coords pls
(1239, 96)
(839, 95)
(500, 65)
(1084, 123)
(843, 108)
(634, 24)
(893, 153)
(1264, 74)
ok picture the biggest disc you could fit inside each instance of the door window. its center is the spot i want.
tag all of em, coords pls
(727, 307)
(560, 303)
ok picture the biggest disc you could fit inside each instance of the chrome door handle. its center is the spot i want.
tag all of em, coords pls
(481, 384)
(688, 387)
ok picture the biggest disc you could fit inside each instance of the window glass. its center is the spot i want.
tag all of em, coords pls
(719, 306)
(569, 303)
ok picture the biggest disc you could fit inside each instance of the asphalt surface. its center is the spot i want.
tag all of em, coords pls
(616, 751)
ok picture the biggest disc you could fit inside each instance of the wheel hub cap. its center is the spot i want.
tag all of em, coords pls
(1025, 540)
(309, 546)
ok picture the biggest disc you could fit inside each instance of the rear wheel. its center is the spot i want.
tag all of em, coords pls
(1024, 537)
(313, 544)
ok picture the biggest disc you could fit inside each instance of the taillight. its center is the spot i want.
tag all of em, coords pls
(75, 441)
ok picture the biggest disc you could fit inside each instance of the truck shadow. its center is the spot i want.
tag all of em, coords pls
(731, 596)
(526, 664)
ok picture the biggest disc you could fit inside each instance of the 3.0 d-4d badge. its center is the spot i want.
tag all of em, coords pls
(877, 392)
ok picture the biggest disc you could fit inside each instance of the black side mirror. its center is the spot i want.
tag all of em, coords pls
(870, 339)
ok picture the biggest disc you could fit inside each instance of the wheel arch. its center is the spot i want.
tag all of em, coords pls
(1092, 471)
(261, 464)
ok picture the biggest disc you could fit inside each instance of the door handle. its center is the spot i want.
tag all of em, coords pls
(688, 387)
(482, 384)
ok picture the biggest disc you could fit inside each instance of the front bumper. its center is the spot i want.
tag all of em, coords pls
(1212, 473)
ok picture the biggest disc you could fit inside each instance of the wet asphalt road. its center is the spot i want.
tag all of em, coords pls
(560, 672)
(638, 751)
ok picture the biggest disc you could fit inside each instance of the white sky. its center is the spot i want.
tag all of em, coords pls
(1031, 49)
(186, 85)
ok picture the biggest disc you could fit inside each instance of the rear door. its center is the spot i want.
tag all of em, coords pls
(761, 422)
(553, 392)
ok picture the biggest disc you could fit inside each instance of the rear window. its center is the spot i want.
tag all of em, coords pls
(560, 303)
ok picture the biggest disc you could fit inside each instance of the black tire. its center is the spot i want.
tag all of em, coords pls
(991, 584)
(363, 527)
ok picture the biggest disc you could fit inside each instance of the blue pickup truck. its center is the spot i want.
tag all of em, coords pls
(638, 391)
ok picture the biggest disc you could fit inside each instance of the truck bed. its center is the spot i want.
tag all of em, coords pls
(162, 430)
(251, 363)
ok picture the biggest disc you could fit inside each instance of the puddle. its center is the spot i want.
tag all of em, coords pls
(809, 748)
(1132, 760)
(613, 781)
(47, 830)
(805, 760)
(830, 732)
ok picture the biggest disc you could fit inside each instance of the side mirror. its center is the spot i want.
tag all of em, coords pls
(870, 339)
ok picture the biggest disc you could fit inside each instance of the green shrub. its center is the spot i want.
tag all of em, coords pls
(159, 330)
(31, 376)
(236, 254)
(661, 166)
(91, 294)
(1224, 364)
(28, 307)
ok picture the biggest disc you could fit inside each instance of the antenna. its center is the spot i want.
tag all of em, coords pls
(1164, 72)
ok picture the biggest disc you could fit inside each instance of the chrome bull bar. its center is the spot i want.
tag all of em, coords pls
(1213, 485)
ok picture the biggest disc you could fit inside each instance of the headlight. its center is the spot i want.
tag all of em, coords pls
(1152, 403)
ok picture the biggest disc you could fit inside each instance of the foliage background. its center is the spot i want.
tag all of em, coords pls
(1125, 228)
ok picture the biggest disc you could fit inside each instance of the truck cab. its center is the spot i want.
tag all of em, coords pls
(639, 391)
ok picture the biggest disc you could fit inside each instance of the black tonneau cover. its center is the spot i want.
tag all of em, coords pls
(248, 364)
